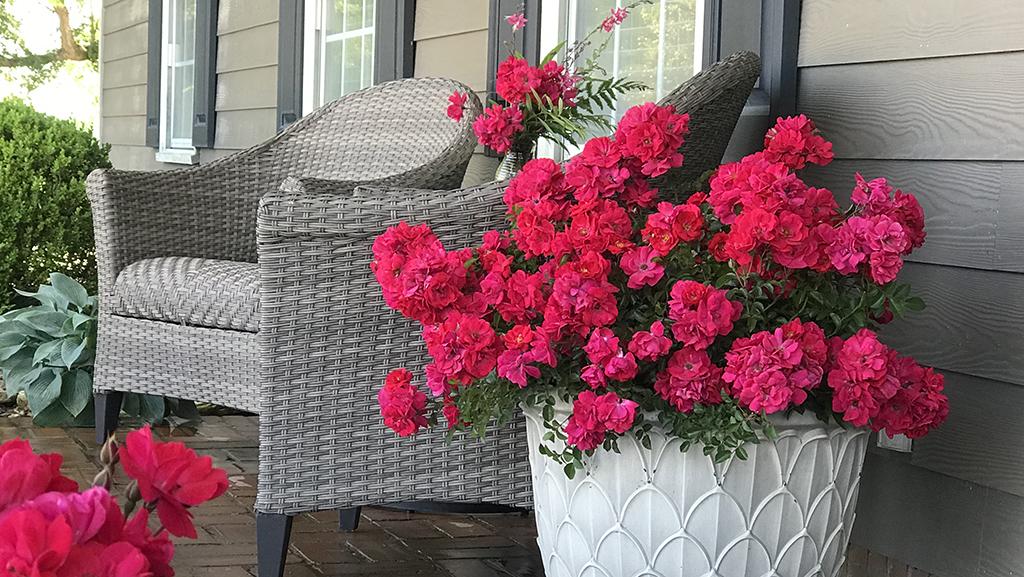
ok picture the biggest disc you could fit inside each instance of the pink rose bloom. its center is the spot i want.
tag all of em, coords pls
(794, 141)
(650, 345)
(457, 106)
(594, 376)
(650, 136)
(25, 475)
(689, 379)
(601, 346)
(640, 266)
(401, 404)
(621, 367)
(594, 415)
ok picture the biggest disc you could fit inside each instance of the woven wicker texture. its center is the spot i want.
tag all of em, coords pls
(714, 98)
(326, 351)
(190, 291)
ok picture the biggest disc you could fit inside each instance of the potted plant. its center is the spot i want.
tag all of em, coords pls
(699, 376)
(557, 101)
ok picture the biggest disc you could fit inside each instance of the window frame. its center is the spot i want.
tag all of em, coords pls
(180, 150)
(393, 52)
(202, 121)
(315, 41)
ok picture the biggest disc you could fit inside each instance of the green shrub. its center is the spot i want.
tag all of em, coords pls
(47, 351)
(45, 222)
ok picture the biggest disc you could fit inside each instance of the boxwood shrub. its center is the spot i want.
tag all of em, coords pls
(45, 223)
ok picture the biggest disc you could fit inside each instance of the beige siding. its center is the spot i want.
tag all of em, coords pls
(928, 93)
(246, 81)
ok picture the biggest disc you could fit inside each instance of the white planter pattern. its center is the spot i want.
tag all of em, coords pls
(786, 511)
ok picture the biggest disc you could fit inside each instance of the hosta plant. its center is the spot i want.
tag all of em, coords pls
(49, 527)
(47, 352)
(703, 316)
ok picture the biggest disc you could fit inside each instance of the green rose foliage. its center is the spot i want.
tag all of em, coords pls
(45, 221)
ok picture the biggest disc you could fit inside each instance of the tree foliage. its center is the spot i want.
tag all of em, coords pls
(74, 40)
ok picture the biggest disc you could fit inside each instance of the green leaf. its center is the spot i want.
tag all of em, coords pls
(44, 391)
(554, 52)
(915, 304)
(49, 322)
(71, 289)
(76, 392)
(151, 408)
(54, 415)
(47, 351)
(71, 350)
(569, 470)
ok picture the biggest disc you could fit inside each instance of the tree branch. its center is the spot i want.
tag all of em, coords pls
(70, 49)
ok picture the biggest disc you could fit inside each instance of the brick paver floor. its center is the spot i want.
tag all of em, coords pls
(388, 543)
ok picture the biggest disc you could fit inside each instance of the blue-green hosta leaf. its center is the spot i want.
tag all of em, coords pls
(71, 350)
(44, 391)
(10, 343)
(49, 297)
(47, 353)
(20, 380)
(79, 319)
(54, 415)
(76, 391)
(49, 322)
(70, 288)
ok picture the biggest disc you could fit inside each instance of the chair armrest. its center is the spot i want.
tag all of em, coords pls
(207, 212)
(327, 340)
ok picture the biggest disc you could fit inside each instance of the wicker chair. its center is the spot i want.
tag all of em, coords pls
(181, 271)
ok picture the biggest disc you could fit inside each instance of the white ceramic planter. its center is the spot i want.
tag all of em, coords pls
(786, 511)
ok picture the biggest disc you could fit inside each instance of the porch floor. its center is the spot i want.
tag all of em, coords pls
(388, 542)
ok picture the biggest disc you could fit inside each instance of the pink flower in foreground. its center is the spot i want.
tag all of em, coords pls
(617, 16)
(457, 106)
(401, 404)
(172, 476)
(25, 475)
(918, 405)
(862, 377)
(517, 21)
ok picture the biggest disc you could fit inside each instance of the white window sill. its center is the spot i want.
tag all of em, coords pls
(178, 156)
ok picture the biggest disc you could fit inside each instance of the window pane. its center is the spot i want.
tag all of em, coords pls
(353, 65)
(181, 106)
(332, 70)
(179, 73)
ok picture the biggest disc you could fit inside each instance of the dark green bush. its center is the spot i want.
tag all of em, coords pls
(45, 223)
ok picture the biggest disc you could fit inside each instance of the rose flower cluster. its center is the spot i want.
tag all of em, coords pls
(49, 528)
(630, 301)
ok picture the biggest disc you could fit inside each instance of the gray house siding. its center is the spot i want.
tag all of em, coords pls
(929, 93)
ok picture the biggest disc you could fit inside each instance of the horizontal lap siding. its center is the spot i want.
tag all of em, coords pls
(451, 42)
(930, 94)
(246, 73)
(124, 30)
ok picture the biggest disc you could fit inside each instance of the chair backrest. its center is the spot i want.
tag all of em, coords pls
(396, 132)
(714, 99)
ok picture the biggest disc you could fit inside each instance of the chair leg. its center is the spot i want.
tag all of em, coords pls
(273, 532)
(348, 519)
(108, 410)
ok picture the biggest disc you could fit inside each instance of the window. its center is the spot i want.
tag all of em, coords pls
(660, 44)
(177, 81)
(338, 51)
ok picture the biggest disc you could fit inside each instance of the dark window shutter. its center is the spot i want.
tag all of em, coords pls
(780, 39)
(289, 62)
(156, 9)
(205, 95)
(394, 48)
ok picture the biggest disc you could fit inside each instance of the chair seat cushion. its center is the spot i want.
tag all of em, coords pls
(190, 291)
